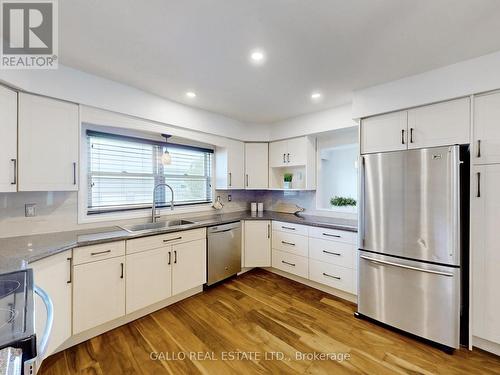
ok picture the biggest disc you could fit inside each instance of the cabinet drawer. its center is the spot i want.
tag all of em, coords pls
(333, 234)
(291, 263)
(154, 242)
(291, 243)
(92, 253)
(329, 274)
(334, 252)
(290, 228)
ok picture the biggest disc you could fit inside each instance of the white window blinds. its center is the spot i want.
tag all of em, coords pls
(122, 172)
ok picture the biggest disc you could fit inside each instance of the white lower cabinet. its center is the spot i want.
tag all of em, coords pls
(53, 274)
(189, 267)
(485, 251)
(291, 263)
(257, 243)
(329, 274)
(325, 256)
(148, 278)
(98, 293)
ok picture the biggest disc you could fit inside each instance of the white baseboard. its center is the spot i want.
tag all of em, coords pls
(486, 345)
(324, 288)
(96, 331)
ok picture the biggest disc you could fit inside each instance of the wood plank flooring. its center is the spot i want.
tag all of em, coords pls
(249, 316)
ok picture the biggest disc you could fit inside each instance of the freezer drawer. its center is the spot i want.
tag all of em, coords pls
(418, 298)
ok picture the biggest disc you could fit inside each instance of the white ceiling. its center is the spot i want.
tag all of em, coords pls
(169, 47)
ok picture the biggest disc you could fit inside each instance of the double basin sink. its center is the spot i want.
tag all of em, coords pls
(156, 227)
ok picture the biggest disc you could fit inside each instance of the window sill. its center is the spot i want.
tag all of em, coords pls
(84, 218)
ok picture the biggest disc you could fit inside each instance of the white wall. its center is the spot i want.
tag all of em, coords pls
(84, 88)
(464, 78)
(317, 122)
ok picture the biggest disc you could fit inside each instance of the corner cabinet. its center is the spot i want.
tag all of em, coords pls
(53, 274)
(296, 156)
(48, 144)
(439, 124)
(230, 166)
(257, 243)
(8, 141)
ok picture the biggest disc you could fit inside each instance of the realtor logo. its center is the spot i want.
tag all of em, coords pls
(29, 34)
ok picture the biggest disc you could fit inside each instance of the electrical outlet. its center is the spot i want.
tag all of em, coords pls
(229, 198)
(30, 209)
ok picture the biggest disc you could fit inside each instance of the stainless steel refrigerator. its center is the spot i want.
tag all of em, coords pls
(410, 242)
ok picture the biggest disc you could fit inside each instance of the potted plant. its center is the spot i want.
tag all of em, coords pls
(287, 180)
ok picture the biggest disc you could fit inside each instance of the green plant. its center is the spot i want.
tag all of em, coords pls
(287, 177)
(342, 201)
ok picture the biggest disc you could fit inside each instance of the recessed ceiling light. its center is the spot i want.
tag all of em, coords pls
(191, 94)
(257, 56)
(316, 96)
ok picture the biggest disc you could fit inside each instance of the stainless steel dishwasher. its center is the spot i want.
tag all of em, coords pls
(224, 251)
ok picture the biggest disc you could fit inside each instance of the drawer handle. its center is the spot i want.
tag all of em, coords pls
(100, 252)
(331, 253)
(332, 235)
(333, 277)
(288, 243)
(290, 228)
(290, 264)
(172, 239)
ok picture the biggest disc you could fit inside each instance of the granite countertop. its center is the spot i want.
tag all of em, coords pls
(17, 252)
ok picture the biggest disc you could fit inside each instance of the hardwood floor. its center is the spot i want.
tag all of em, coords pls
(254, 314)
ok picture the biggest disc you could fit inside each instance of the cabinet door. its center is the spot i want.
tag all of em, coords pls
(236, 165)
(297, 151)
(98, 293)
(48, 144)
(256, 166)
(8, 141)
(485, 250)
(439, 124)
(384, 133)
(257, 243)
(148, 278)
(486, 145)
(53, 274)
(189, 267)
(277, 153)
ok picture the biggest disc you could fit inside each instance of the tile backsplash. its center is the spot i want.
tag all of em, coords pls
(57, 211)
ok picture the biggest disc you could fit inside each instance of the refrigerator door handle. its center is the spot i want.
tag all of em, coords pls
(455, 201)
(447, 274)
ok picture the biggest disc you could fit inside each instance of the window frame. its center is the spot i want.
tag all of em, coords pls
(84, 213)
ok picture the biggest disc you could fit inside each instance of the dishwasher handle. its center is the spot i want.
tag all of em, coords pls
(224, 227)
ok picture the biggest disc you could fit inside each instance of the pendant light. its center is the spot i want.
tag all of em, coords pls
(166, 159)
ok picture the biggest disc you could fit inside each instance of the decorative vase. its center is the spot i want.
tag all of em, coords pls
(287, 184)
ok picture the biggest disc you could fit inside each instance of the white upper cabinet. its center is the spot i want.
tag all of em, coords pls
(256, 165)
(8, 140)
(485, 252)
(384, 133)
(290, 152)
(277, 153)
(48, 144)
(440, 124)
(257, 243)
(486, 145)
(230, 166)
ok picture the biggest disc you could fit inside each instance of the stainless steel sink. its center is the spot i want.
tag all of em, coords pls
(153, 227)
